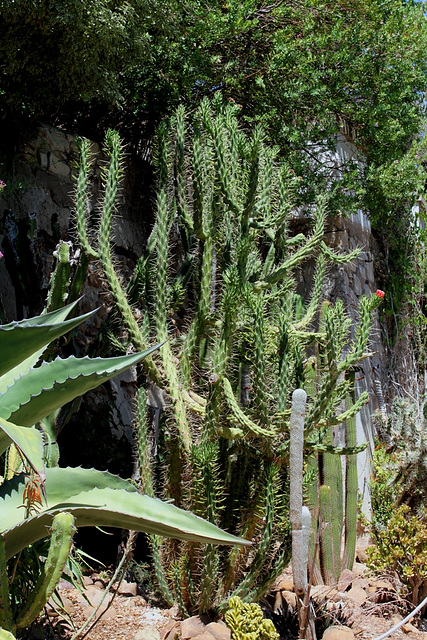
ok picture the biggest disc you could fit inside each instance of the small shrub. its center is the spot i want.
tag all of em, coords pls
(384, 489)
(402, 547)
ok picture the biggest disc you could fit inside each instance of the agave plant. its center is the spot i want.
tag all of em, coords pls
(36, 497)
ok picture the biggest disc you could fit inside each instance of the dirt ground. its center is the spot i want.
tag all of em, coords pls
(132, 617)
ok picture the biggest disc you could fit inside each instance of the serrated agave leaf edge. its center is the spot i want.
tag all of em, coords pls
(33, 340)
(7, 410)
(51, 317)
(174, 522)
(29, 442)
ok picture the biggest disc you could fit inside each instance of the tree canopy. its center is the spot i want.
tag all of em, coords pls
(304, 68)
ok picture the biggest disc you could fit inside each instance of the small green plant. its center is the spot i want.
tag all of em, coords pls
(247, 622)
(402, 547)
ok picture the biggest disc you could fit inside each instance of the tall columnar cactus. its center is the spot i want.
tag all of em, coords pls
(216, 280)
(332, 486)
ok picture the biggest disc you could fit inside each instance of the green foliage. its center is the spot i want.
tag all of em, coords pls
(398, 496)
(235, 350)
(247, 622)
(402, 547)
(383, 488)
(305, 71)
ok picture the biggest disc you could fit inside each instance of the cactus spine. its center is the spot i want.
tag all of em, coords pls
(237, 344)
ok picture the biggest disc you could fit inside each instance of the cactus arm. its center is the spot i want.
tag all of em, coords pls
(259, 381)
(147, 488)
(315, 295)
(339, 258)
(61, 539)
(60, 277)
(177, 582)
(158, 570)
(221, 164)
(81, 196)
(296, 447)
(142, 443)
(115, 151)
(332, 534)
(206, 489)
(258, 563)
(196, 328)
(240, 416)
(161, 322)
(303, 252)
(179, 177)
(351, 495)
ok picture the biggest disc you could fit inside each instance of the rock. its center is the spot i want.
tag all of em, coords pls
(109, 614)
(361, 582)
(192, 627)
(147, 633)
(94, 595)
(375, 585)
(65, 584)
(127, 588)
(285, 584)
(409, 628)
(357, 595)
(290, 598)
(99, 584)
(336, 632)
(136, 601)
(66, 604)
(364, 541)
(87, 580)
(204, 636)
(360, 568)
(171, 630)
(346, 578)
(173, 612)
(219, 630)
(278, 602)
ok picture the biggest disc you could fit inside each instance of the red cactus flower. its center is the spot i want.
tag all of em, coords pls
(379, 293)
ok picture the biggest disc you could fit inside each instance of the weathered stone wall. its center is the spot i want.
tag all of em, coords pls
(35, 214)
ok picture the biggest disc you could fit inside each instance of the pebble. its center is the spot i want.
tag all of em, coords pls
(147, 633)
(336, 632)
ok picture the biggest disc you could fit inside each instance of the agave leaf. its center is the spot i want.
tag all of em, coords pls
(97, 498)
(51, 317)
(42, 390)
(28, 441)
(22, 343)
